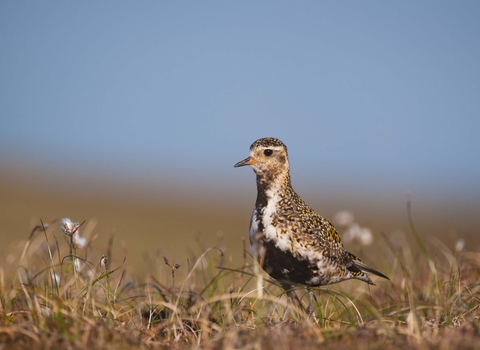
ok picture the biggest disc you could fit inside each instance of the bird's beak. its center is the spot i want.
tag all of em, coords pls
(246, 161)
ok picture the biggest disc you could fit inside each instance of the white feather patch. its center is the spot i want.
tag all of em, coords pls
(283, 242)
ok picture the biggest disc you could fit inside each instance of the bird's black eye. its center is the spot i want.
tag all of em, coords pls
(268, 152)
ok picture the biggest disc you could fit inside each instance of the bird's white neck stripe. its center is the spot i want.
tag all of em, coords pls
(269, 211)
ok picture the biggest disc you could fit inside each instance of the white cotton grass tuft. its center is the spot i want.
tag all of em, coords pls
(343, 218)
(104, 262)
(78, 265)
(78, 241)
(71, 229)
(353, 230)
(460, 245)
(56, 278)
(366, 236)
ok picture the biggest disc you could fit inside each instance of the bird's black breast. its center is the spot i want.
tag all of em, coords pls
(286, 268)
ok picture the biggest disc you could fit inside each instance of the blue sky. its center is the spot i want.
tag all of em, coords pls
(364, 94)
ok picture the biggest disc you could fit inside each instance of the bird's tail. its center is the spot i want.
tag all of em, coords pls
(358, 269)
(367, 269)
(364, 268)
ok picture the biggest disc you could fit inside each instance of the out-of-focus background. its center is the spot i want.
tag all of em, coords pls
(131, 116)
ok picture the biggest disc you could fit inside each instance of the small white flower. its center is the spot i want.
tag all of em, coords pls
(71, 229)
(78, 265)
(68, 227)
(365, 237)
(347, 237)
(56, 278)
(460, 245)
(78, 241)
(104, 261)
(351, 233)
(355, 230)
(343, 218)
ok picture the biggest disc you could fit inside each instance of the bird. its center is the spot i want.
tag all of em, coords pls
(292, 243)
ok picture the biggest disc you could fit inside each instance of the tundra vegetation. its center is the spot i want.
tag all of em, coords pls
(59, 290)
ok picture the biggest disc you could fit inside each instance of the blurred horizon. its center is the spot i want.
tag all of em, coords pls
(172, 220)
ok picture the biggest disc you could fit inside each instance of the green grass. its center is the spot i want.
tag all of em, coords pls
(52, 296)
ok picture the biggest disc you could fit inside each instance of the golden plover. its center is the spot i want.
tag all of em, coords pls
(293, 243)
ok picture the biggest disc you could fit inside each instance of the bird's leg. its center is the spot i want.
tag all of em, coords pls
(259, 252)
(290, 298)
(311, 302)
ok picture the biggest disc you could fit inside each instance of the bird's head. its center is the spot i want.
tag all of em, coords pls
(268, 158)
